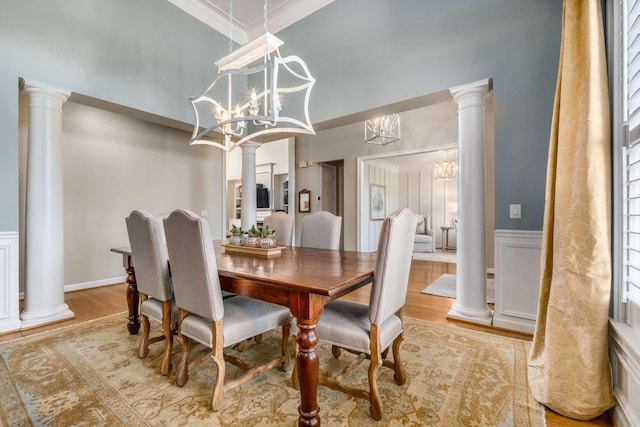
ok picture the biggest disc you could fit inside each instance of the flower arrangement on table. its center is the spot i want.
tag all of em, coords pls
(253, 238)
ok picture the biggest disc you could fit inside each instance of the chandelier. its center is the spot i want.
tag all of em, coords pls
(446, 170)
(256, 95)
(382, 130)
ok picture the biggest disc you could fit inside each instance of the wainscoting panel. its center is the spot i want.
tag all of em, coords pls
(9, 304)
(624, 349)
(517, 279)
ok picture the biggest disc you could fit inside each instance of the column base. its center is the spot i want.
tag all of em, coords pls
(42, 317)
(483, 317)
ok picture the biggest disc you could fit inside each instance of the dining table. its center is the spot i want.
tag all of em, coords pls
(303, 279)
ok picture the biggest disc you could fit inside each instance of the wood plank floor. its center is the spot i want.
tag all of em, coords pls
(99, 302)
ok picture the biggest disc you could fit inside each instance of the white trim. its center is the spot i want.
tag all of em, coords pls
(9, 267)
(95, 284)
(625, 364)
(278, 19)
(517, 284)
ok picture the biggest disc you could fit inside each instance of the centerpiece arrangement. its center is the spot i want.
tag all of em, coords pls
(253, 238)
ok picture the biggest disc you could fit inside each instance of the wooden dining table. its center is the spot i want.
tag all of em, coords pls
(302, 279)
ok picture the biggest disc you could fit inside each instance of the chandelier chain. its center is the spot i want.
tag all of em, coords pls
(230, 26)
(265, 16)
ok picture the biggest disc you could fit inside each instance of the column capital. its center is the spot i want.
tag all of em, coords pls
(33, 87)
(479, 88)
(250, 146)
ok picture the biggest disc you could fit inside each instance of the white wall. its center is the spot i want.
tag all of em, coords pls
(431, 126)
(113, 164)
(380, 173)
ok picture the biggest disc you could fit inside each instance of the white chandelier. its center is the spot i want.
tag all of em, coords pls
(446, 170)
(382, 130)
(257, 95)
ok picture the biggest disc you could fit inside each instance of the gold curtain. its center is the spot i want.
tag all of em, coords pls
(569, 368)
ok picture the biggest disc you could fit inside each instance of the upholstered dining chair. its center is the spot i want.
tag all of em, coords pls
(370, 330)
(207, 319)
(146, 239)
(283, 224)
(321, 230)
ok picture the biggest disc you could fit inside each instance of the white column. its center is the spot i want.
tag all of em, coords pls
(471, 271)
(249, 202)
(44, 263)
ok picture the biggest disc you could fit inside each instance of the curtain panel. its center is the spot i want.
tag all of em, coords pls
(569, 369)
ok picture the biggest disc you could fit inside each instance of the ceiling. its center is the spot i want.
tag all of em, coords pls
(248, 22)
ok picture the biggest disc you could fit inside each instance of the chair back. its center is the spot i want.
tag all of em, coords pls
(283, 224)
(391, 277)
(193, 264)
(321, 230)
(146, 239)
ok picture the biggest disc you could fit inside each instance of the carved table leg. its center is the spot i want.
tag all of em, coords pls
(133, 299)
(308, 367)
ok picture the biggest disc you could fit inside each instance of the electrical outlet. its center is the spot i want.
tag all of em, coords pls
(204, 214)
(515, 211)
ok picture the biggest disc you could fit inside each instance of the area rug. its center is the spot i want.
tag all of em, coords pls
(449, 257)
(445, 286)
(89, 375)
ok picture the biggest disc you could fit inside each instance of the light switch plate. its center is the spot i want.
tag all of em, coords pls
(515, 211)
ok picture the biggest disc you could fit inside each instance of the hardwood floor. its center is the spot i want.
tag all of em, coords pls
(99, 302)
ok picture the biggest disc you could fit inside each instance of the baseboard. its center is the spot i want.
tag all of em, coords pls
(89, 285)
(94, 284)
(9, 267)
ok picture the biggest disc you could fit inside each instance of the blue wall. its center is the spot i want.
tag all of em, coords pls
(368, 53)
(151, 56)
(144, 54)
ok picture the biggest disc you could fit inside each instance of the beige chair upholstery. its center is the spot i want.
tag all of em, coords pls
(425, 238)
(283, 224)
(146, 239)
(204, 317)
(321, 230)
(370, 330)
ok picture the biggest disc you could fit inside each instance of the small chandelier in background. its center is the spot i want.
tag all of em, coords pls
(257, 95)
(446, 170)
(382, 130)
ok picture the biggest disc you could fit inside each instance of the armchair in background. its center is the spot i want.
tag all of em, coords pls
(425, 238)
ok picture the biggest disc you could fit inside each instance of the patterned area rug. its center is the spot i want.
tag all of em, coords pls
(89, 375)
(445, 286)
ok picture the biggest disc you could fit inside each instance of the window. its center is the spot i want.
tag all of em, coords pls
(626, 121)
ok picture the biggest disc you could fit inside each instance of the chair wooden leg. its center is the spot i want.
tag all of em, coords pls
(143, 347)
(336, 351)
(400, 376)
(218, 357)
(183, 370)
(286, 331)
(375, 408)
(294, 374)
(165, 365)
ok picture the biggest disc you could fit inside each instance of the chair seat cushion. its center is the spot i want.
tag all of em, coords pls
(152, 308)
(243, 318)
(422, 238)
(346, 324)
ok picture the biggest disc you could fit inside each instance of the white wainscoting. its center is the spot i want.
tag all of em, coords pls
(9, 265)
(517, 279)
(624, 350)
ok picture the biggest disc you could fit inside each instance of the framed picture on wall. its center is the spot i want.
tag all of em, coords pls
(304, 201)
(377, 202)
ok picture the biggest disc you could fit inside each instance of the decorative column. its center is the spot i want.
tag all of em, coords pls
(249, 201)
(44, 251)
(471, 271)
